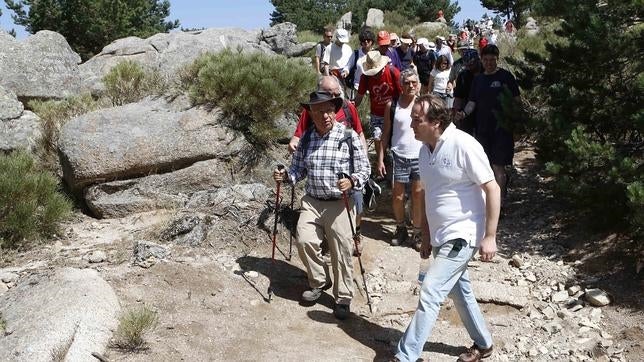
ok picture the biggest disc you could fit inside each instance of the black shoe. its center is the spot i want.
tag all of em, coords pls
(341, 311)
(400, 235)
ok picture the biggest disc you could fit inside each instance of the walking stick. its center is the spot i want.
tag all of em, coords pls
(290, 244)
(277, 211)
(355, 242)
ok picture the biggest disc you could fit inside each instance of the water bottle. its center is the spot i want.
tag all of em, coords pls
(422, 270)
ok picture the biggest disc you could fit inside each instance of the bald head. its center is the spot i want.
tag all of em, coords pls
(329, 84)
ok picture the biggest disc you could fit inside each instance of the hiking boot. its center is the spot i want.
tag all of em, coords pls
(314, 294)
(358, 241)
(475, 354)
(341, 311)
(400, 236)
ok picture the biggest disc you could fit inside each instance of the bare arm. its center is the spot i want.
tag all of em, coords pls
(492, 210)
(426, 245)
(384, 141)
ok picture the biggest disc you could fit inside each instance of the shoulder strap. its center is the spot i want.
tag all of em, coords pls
(348, 138)
(305, 140)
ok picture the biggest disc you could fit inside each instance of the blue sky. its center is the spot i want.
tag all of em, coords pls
(247, 14)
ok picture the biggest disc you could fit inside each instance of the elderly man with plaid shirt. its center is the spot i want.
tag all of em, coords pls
(320, 157)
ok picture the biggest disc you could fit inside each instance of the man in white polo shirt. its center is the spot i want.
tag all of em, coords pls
(462, 203)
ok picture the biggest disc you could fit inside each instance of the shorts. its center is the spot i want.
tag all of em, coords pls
(377, 125)
(498, 146)
(405, 169)
(358, 201)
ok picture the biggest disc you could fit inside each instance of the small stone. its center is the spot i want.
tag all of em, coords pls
(97, 256)
(543, 350)
(252, 274)
(529, 276)
(516, 261)
(584, 330)
(564, 314)
(549, 312)
(254, 302)
(574, 290)
(596, 315)
(577, 307)
(583, 340)
(3, 287)
(560, 263)
(597, 297)
(605, 335)
(533, 352)
(561, 286)
(522, 283)
(552, 327)
(8, 277)
(559, 297)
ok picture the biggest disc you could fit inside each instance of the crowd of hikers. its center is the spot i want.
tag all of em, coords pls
(437, 138)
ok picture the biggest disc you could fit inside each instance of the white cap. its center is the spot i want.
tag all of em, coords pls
(422, 41)
(440, 37)
(342, 35)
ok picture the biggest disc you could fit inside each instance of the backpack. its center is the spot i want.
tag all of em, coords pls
(322, 50)
(352, 71)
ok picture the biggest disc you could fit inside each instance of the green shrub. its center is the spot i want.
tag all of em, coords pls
(133, 325)
(588, 123)
(53, 115)
(252, 90)
(129, 82)
(30, 204)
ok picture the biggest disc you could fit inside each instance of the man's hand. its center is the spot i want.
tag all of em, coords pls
(381, 169)
(344, 184)
(278, 175)
(488, 248)
(425, 248)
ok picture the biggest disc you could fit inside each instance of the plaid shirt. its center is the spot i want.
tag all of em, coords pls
(324, 157)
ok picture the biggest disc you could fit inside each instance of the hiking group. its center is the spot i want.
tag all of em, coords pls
(436, 119)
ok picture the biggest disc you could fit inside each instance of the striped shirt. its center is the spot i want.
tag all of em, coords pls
(323, 158)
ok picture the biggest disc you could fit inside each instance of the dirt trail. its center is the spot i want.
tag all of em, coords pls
(212, 306)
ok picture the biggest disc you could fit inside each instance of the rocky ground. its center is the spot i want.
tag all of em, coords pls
(547, 296)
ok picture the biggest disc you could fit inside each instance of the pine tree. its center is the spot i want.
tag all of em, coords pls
(590, 133)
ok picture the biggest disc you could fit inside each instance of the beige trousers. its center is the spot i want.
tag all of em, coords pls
(327, 219)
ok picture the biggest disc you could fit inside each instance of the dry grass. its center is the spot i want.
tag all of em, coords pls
(133, 325)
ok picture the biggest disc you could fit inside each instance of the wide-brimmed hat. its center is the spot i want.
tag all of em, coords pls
(441, 38)
(383, 38)
(374, 62)
(423, 41)
(431, 45)
(342, 35)
(318, 97)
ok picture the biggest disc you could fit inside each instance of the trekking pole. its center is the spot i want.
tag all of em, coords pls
(290, 244)
(355, 242)
(277, 211)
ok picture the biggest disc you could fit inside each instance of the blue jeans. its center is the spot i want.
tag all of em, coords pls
(447, 274)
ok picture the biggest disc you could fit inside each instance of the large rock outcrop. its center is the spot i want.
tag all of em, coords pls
(433, 27)
(375, 18)
(19, 129)
(169, 52)
(152, 136)
(46, 312)
(41, 66)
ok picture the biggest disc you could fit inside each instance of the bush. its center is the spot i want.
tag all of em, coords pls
(53, 115)
(252, 90)
(129, 82)
(133, 325)
(30, 204)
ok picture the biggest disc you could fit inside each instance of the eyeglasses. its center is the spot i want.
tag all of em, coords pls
(410, 82)
(328, 36)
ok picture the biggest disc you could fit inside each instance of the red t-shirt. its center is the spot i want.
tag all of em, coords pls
(305, 120)
(382, 88)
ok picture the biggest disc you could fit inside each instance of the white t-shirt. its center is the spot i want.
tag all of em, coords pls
(338, 57)
(452, 176)
(441, 78)
(403, 141)
(359, 68)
